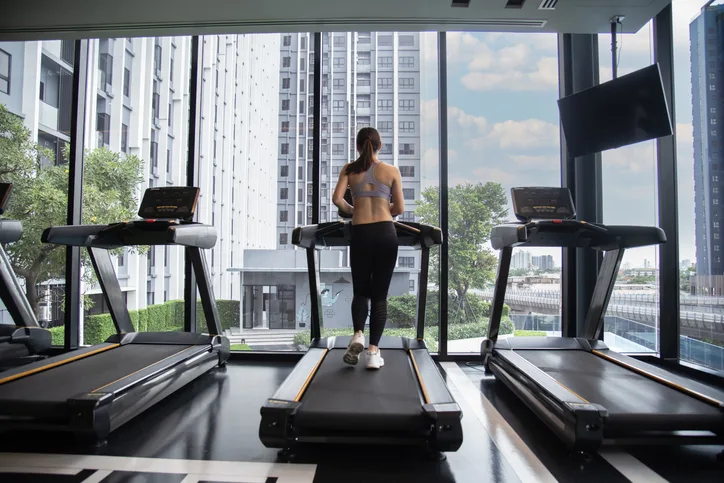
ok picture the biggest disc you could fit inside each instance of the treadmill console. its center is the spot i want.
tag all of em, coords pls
(5, 189)
(170, 202)
(540, 203)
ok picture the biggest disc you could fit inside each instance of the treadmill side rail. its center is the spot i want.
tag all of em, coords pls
(296, 383)
(275, 430)
(447, 430)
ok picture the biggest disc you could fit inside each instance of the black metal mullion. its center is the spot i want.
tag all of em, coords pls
(317, 131)
(190, 312)
(75, 193)
(444, 222)
(669, 304)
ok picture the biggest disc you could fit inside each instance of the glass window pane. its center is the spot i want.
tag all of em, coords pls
(122, 161)
(503, 132)
(700, 161)
(375, 103)
(258, 289)
(39, 196)
(631, 323)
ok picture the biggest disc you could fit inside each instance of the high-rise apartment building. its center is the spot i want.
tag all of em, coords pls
(368, 79)
(137, 103)
(707, 71)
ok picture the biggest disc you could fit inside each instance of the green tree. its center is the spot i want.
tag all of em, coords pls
(40, 193)
(474, 209)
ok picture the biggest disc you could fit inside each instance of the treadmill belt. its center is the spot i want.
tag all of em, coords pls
(353, 398)
(85, 375)
(632, 400)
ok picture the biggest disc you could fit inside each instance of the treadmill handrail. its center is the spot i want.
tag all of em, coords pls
(338, 233)
(575, 233)
(10, 231)
(195, 235)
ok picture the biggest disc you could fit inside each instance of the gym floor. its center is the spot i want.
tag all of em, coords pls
(208, 432)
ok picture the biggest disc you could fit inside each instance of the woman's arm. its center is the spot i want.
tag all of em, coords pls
(338, 196)
(397, 207)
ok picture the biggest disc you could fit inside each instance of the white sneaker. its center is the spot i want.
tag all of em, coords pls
(355, 348)
(375, 360)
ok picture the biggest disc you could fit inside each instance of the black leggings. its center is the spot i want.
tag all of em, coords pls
(373, 256)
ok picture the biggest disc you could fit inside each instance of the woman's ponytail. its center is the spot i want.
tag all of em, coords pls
(368, 143)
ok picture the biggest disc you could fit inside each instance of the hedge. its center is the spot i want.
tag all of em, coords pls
(166, 317)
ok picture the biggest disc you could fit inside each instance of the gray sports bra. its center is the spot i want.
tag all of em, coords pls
(381, 190)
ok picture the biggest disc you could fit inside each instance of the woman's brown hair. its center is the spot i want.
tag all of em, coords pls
(368, 143)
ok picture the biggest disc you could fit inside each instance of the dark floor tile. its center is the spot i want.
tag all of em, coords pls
(44, 478)
(140, 477)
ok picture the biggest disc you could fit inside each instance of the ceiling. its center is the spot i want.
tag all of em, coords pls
(45, 19)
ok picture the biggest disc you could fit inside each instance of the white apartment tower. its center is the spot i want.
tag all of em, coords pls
(368, 79)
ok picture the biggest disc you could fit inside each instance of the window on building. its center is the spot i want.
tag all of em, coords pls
(285, 104)
(712, 110)
(168, 158)
(406, 262)
(407, 148)
(300, 195)
(283, 238)
(713, 120)
(339, 84)
(338, 105)
(407, 126)
(384, 83)
(407, 62)
(384, 126)
(407, 171)
(712, 87)
(283, 193)
(301, 85)
(5, 67)
(287, 41)
(286, 83)
(302, 64)
(384, 40)
(363, 58)
(384, 62)
(406, 41)
(336, 170)
(339, 62)
(301, 107)
(286, 62)
(126, 82)
(283, 215)
(339, 40)
(386, 149)
(408, 216)
(338, 127)
(285, 148)
(285, 126)
(103, 127)
(407, 83)
(363, 80)
(406, 104)
(301, 129)
(300, 173)
(408, 193)
(284, 171)
(338, 149)
(412, 285)
(124, 138)
(304, 43)
(384, 104)
(363, 103)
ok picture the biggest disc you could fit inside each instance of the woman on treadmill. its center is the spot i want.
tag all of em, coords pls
(373, 244)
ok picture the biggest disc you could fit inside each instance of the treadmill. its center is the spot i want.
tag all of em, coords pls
(325, 400)
(586, 393)
(94, 390)
(24, 340)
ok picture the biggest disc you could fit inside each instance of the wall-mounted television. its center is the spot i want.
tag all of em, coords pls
(624, 111)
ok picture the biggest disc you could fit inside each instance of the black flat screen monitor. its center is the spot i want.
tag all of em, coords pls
(169, 202)
(624, 111)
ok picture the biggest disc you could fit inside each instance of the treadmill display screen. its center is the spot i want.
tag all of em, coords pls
(542, 203)
(5, 189)
(174, 202)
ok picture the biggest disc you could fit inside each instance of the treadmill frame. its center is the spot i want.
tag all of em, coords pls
(580, 424)
(443, 429)
(98, 412)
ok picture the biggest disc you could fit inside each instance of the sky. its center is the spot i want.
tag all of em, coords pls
(503, 121)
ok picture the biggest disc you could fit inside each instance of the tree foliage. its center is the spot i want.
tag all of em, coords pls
(40, 194)
(474, 209)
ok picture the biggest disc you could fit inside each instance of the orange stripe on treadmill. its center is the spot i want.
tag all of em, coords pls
(419, 378)
(58, 363)
(143, 368)
(310, 376)
(673, 385)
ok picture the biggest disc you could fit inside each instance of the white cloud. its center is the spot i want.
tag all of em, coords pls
(459, 118)
(530, 133)
(537, 162)
(489, 173)
(634, 159)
